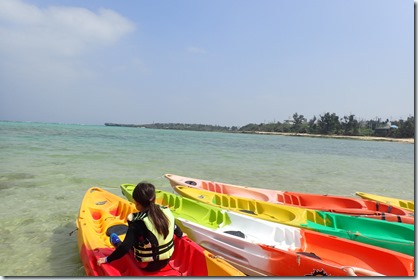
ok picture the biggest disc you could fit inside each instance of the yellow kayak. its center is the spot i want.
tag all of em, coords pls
(405, 204)
(289, 215)
(102, 213)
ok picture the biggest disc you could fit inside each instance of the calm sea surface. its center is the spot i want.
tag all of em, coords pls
(45, 170)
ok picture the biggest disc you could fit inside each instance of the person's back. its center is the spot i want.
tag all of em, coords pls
(150, 232)
(151, 247)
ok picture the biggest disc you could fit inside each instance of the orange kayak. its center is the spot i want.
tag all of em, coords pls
(102, 213)
(328, 203)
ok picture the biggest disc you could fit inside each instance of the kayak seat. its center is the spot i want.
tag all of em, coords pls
(118, 229)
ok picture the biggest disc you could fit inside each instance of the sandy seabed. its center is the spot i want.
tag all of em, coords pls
(365, 138)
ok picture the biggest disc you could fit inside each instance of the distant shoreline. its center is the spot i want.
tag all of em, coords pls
(365, 138)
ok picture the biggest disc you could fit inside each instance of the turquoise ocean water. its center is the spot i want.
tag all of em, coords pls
(47, 168)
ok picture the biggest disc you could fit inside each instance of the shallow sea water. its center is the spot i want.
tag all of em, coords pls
(45, 170)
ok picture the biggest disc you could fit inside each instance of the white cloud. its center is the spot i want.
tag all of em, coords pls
(20, 13)
(52, 54)
(57, 30)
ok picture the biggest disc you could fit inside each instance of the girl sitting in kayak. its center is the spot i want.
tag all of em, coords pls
(150, 232)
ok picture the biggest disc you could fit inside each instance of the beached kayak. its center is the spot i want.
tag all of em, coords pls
(102, 213)
(329, 203)
(262, 248)
(404, 204)
(394, 236)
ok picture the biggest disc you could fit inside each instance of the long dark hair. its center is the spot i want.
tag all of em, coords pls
(144, 194)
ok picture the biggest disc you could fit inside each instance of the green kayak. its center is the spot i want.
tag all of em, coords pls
(394, 236)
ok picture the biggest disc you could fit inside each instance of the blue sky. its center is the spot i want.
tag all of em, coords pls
(228, 63)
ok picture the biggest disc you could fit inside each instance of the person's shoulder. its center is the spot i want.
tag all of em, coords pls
(136, 216)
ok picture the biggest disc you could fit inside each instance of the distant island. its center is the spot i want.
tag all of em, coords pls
(123, 125)
(328, 125)
(179, 126)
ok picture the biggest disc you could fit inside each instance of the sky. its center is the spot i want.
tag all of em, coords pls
(217, 62)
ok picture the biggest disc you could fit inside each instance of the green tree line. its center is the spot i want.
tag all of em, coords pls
(330, 123)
